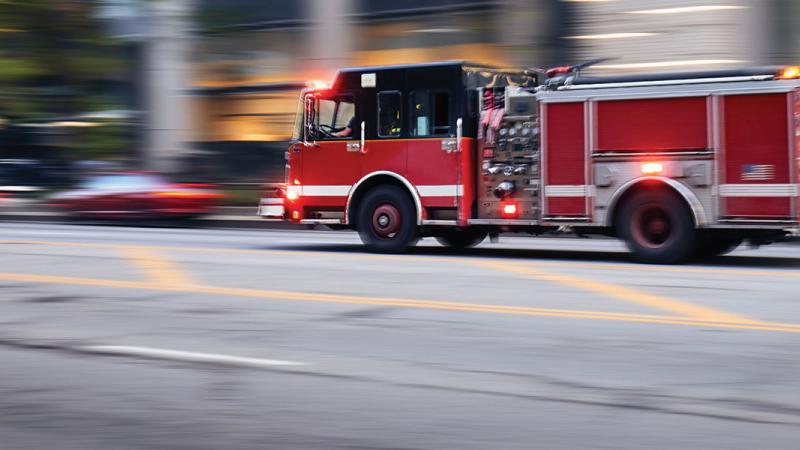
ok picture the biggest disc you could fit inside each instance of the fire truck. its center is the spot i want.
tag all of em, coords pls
(677, 165)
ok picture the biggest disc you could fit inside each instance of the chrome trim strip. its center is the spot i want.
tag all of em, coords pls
(321, 221)
(562, 219)
(759, 190)
(602, 92)
(716, 136)
(640, 154)
(767, 221)
(752, 226)
(575, 87)
(440, 222)
(543, 154)
(580, 190)
(502, 222)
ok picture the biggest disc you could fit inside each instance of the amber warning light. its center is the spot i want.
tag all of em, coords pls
(789, 73)
(652, 168)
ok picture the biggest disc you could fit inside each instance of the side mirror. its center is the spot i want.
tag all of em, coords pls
(309, 132)
(459, 133)
(363, 140)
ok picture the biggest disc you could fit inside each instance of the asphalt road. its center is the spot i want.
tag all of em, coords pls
(126, 338)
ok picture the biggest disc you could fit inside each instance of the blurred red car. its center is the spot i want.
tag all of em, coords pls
(136, 195)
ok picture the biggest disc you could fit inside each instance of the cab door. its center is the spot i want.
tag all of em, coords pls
(385, 148)
(331, 152)
(433, 160)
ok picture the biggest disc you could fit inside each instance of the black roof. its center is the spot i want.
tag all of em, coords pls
(475, 75)
(440, 64)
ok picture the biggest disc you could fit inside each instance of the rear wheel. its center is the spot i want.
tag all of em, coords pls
(461, 237)
(387, 220)
(657, 227)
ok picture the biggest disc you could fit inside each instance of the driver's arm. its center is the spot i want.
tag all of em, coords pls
(348, 130)
(344, 133)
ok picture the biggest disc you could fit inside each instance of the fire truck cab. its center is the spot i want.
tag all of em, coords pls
(675, 164)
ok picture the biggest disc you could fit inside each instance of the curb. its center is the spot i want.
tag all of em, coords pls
(213, 221)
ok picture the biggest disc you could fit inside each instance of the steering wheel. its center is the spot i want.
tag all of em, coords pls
(327, 130)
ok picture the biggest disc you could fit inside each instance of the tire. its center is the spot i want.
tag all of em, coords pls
(714, 245)
(387, 220)
(461, 237)
(658, 228)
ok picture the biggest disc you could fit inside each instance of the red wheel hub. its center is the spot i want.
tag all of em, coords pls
(652, 226)
(386, 221)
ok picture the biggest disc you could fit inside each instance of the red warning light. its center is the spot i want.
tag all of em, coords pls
(510, 210)
(563, 70)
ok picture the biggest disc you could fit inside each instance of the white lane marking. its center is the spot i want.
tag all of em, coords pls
(178, 355)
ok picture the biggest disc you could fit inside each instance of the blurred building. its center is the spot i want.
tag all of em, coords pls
(250, 60)
(666, 35)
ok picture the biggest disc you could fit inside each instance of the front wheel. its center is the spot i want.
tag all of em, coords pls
(461, 237)
(387, 220)
(657, 227)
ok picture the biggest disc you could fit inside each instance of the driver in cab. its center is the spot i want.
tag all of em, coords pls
(348, 130)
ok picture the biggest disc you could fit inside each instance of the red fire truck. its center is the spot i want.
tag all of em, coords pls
(675, 164)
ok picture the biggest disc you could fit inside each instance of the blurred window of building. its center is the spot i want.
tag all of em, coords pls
(389, 114)
(684, 35)
(435, 37)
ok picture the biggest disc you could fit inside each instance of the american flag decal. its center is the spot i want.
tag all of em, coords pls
(758, 172)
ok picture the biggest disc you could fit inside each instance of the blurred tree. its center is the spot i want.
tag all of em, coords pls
(57, 61)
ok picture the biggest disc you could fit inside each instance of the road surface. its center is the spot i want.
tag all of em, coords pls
(156, 338)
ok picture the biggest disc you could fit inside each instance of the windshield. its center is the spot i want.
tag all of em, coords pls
(297, 131)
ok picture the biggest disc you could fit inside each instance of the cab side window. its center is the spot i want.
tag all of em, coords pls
(430, 113)
(389, 114)
(332, 118)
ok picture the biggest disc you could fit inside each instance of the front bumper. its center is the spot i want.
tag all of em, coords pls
(271, 208)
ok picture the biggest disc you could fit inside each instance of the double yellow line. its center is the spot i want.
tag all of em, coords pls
(164, 275)
(159, 285)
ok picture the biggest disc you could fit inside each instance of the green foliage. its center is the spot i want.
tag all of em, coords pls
(56, 60)
(104, 141)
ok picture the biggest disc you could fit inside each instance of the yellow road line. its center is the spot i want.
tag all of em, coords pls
(161, 270)
(400, 302)
(461, 259)
(157, 268)
(619, 292)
